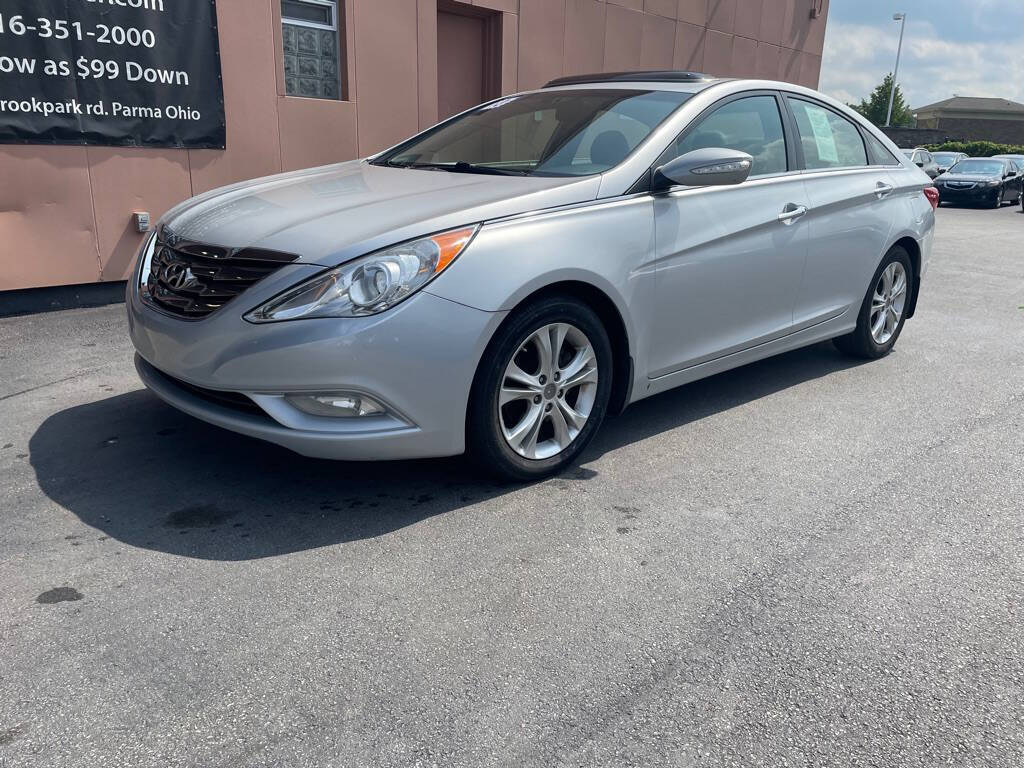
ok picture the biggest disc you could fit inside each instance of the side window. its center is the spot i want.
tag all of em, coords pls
(752, 125)
(877, 152)
(927, 157)
(828, 140)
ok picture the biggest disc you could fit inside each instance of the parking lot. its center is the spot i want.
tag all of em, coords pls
(809, 561)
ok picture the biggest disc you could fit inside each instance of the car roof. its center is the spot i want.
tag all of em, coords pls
(658, 79)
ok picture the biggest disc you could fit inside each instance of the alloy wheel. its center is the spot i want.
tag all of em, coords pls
(888, 302)
(548, 391)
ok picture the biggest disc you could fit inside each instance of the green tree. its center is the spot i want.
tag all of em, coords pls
(875, 107)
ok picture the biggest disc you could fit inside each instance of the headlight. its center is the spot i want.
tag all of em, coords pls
(992, 183)
(146, 261)
(370, 284)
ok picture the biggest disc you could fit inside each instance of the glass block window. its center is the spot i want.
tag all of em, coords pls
(313, 60)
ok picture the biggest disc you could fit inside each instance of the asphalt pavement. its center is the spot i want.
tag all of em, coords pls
(808, 561)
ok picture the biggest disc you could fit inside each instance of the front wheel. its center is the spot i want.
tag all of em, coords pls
(541, 390)
(883, 311)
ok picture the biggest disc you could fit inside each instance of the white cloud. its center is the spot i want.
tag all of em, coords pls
(857, 57)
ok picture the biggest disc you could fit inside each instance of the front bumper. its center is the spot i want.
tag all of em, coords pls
(978, 194)
(419, 359)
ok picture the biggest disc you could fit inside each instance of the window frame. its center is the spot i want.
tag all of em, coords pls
(798, 141)
(708, 111)
(865, 134)
(332, 4)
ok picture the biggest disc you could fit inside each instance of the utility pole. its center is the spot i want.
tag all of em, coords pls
(902, 19)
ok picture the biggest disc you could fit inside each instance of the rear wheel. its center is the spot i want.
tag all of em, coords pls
(541, 391)
(883, 311)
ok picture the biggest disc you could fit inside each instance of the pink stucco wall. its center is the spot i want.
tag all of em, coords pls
(65, 212)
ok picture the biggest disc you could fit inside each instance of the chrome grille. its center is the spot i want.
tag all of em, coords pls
(193, 280)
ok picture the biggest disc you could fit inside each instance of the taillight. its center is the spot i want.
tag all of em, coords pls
(933, 196)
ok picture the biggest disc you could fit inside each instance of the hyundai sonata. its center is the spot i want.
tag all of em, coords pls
(500, 282)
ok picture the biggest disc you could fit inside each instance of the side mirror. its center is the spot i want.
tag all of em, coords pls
(709, 167)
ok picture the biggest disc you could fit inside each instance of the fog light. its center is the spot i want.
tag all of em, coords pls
(338, 405)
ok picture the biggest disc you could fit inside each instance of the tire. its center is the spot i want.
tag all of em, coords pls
(998, 201)
(541, 404)
(863, 341)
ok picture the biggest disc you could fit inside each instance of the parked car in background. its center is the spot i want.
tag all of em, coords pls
(501, 281)
(1018, 160)
(923, 159)
(982, 181)
(946, 160)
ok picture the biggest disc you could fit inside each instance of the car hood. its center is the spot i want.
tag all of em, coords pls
(331, 214)
(970, 177)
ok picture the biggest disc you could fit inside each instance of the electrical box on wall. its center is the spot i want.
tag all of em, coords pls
(141, 219)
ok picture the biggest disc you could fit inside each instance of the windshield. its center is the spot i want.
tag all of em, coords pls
(979, 167)
(945, 158)
(549, 133)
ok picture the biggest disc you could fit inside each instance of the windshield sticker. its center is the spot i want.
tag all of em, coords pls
(823, 135)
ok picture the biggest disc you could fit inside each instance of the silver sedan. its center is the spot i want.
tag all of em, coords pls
(503, 280)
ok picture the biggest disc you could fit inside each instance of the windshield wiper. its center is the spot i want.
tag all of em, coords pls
(460, 167)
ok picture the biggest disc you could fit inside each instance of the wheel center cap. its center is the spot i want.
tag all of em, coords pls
(549, 392)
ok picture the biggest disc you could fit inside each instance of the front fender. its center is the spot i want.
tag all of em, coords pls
(608, 245)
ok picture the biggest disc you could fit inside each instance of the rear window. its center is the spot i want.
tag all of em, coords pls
(828, 140)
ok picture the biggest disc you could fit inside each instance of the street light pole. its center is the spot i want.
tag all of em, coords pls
(902, 19)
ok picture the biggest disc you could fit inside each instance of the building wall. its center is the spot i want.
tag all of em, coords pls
(967, 128)
(65, 212)
(908, 138)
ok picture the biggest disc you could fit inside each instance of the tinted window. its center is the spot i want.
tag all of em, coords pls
(828, 140)
(550, 133)
(878, 153)
(752, 125)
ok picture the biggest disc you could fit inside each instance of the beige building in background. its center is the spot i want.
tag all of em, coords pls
(311, 82)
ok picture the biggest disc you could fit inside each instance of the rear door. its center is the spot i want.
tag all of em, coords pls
(729, 259)
(851, 212)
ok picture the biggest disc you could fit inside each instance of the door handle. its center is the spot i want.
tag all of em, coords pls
(791, 213)
(883, 190)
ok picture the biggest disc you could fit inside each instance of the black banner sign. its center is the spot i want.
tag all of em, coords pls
(113, 72)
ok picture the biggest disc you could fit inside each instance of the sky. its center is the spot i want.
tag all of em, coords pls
(962, 47)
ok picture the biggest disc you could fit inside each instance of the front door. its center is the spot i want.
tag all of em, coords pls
(729, 259)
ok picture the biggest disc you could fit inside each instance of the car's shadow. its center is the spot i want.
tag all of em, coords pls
(143, 473)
